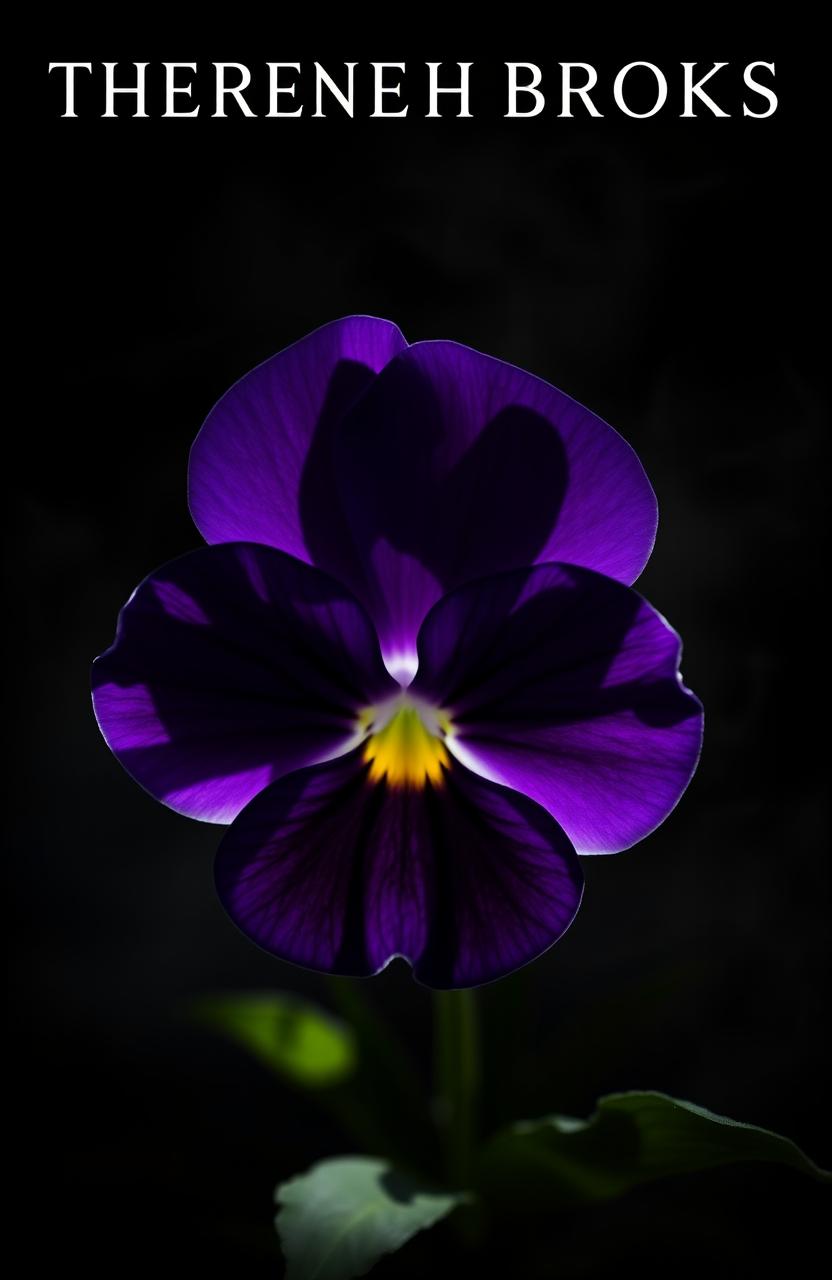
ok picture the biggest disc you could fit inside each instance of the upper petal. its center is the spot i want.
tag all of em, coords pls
(466, 880)
(260, 469)
(453, 465)
(231, 666)
(565, 684)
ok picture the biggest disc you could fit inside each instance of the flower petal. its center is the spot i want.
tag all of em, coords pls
(231, 666)
(565, 684)
(466, 880)
(466, 466)
(260, 469)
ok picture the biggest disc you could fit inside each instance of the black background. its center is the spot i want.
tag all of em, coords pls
(664, 272)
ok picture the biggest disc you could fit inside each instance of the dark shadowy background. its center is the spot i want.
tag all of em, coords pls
(664, 272)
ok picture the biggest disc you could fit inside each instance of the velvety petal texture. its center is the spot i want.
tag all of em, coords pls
(565, 684)
(407, 471)
(377, 510)
(260, 469)
(454, 465)
(231, 666)
(466, 879)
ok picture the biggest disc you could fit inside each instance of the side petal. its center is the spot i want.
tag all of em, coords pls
(261, 469)
(466, 880)
(468, 466)
(565, 685)
(231, 666)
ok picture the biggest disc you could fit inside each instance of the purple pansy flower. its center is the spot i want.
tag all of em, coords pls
(409, 671)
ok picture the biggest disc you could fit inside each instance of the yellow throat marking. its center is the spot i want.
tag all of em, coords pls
(405, 750)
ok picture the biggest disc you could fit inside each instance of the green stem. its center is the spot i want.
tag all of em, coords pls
(457, 1068)
(386, 1094)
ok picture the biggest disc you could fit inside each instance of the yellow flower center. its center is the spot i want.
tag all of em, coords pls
(405, 744)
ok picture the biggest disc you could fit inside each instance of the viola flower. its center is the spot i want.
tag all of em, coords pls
(409, 671)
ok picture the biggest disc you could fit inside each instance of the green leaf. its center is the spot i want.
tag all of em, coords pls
(338, 1219)
(302, 1043)
(632, 1138)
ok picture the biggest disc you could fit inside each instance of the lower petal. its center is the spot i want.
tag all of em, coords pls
(466, 880)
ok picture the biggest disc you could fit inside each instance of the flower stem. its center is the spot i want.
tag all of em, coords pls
(457, 1066)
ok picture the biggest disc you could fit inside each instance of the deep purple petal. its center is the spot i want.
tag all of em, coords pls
(454, 465)
(467, 880)
(261, 469)
(232, 666)
(565, 684)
